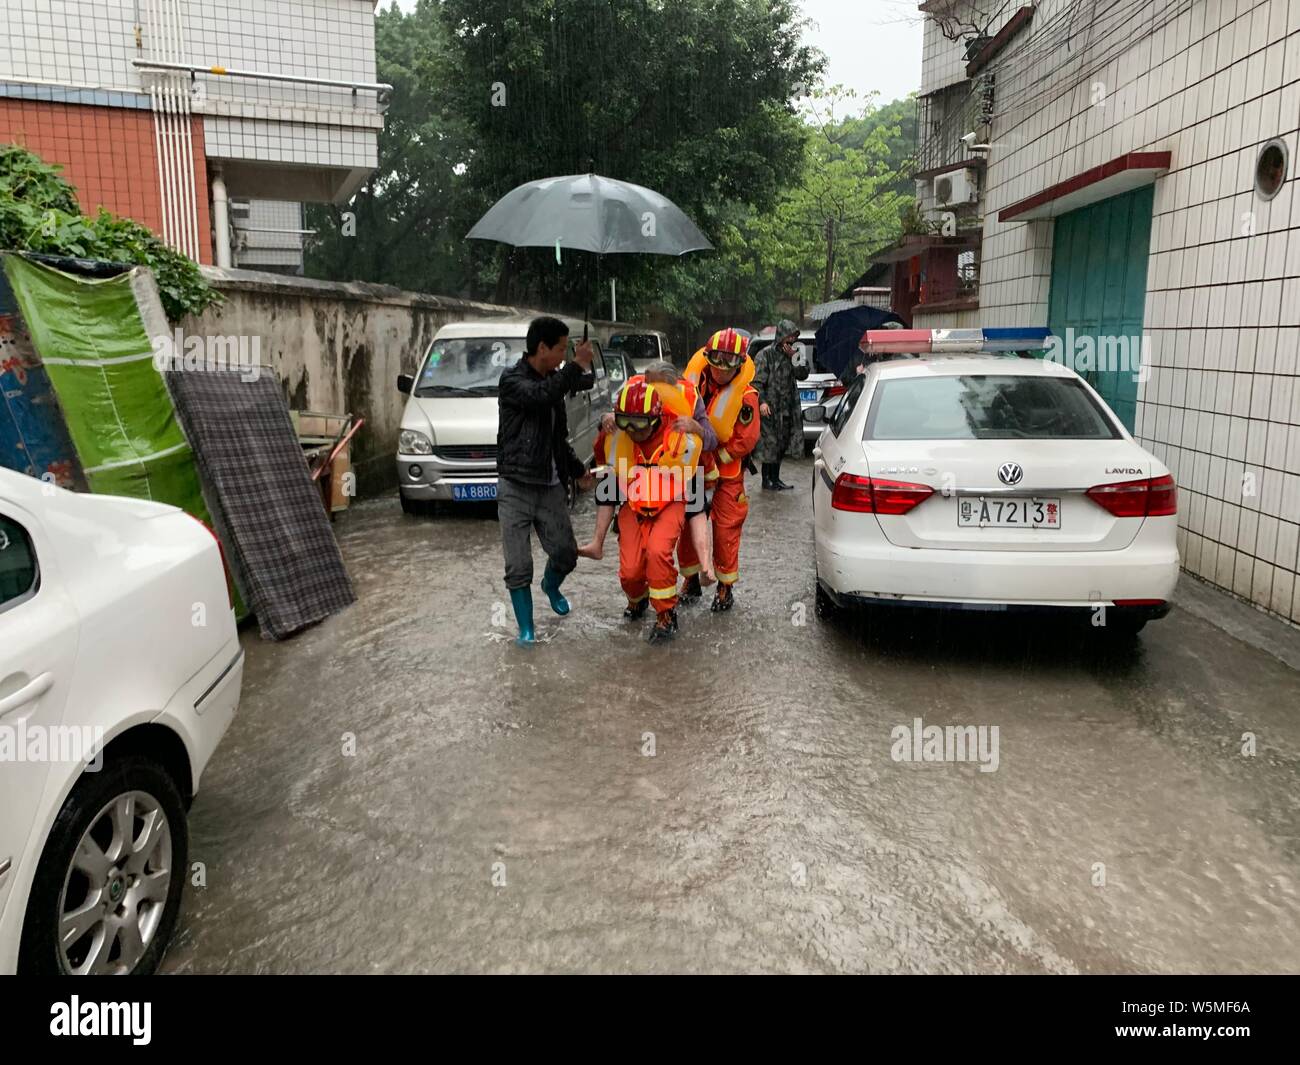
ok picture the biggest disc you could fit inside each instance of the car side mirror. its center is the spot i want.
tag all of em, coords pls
(405, 382)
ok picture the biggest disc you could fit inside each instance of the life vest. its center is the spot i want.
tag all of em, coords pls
(678, 399)
(724, 408)
(640, 482)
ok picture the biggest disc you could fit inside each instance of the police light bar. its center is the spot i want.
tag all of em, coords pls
(952, 341)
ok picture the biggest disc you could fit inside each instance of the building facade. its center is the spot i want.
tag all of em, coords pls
(165, 111)
(1122, 171)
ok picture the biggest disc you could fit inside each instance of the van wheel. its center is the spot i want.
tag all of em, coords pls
(418, 508)
(108, 887)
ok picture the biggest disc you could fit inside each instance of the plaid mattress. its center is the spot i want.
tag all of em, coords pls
(268, 512)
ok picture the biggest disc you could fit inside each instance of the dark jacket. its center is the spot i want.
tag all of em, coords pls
(533, 428)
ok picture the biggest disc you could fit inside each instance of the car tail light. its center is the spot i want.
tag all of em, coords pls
(833, 391)
(867, 495)
(1139, 602)
(1151, 497)
(225, 566)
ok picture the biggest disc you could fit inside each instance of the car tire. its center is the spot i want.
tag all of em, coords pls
(95, 803)
(823, 605)
(1122, 628)
(418, 508)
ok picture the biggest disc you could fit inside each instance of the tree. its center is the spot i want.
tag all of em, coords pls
(689, 97)
(845, 200)
(406, 223)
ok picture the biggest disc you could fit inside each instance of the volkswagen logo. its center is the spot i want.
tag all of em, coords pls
(1010, 473)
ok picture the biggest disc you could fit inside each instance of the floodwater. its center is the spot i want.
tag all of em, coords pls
(405, 790)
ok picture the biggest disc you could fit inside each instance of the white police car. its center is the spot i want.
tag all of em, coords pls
(956, 474)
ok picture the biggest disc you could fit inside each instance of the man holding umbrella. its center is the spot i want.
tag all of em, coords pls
(775, 381)
(535, 462)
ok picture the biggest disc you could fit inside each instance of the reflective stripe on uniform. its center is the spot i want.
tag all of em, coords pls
(728, 578)
(637, 599)
(724, 455)
(690, 571)
(663, 593)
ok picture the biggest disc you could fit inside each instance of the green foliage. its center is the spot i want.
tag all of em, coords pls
(693, 98)
(410, 217)
(39, 213)
(842, 203)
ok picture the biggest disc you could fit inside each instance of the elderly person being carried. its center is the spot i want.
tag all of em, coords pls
(697, 424)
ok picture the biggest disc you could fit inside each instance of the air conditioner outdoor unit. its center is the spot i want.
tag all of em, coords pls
(955, 188)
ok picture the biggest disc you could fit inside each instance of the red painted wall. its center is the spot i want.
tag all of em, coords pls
(108, 154)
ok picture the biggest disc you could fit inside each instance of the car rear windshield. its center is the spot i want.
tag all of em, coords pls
(467, 365)
(636, 345)
(986, 407)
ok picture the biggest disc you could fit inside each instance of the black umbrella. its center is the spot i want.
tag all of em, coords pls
(838, 338)
(588, 212)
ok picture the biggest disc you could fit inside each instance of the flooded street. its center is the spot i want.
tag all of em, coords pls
(405, 790)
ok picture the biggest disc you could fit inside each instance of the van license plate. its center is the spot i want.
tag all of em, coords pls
(1016, 513)
(473, 493)
(808, 395)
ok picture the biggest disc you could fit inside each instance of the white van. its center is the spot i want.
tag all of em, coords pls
(642, 348)
(447, 447)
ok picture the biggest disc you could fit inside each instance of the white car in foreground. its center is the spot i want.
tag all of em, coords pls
(990, 482)
(120, 670)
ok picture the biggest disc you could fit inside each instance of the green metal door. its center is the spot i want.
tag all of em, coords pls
(1099, 286)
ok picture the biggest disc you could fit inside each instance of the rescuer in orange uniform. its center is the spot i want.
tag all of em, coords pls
(653, 464)
(722, 370)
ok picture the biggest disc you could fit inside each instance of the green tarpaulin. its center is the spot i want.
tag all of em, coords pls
(92, 339)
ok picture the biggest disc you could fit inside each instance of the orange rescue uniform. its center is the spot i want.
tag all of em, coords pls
(726, 471)
(648, 529)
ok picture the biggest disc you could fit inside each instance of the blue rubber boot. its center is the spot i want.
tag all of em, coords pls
(522, 600)
(551, 582)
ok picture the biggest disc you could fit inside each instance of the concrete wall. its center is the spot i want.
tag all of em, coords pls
(340, 347)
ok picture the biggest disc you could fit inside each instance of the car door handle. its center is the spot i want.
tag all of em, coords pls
(30, 692)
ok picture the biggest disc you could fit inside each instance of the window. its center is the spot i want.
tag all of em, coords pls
(847, 404)
(19, 574)
(467, 365)
(988, 407)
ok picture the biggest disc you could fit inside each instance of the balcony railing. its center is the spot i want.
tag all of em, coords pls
(944, 117)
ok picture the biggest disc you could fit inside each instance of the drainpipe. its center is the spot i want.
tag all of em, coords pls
(221, 220)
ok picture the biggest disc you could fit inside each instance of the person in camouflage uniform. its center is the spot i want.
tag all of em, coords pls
(776, 381)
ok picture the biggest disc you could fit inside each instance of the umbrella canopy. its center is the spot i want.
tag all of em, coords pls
(588, 212)
(837, 339)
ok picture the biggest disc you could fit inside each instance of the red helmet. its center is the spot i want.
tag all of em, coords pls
(638, 398)
(730, 342)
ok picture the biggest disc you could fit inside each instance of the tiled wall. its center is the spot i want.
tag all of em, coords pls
(1222, 405)
(90, 44)
(290, 142)
(107, 153)
(943, 62)
(309, 38)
